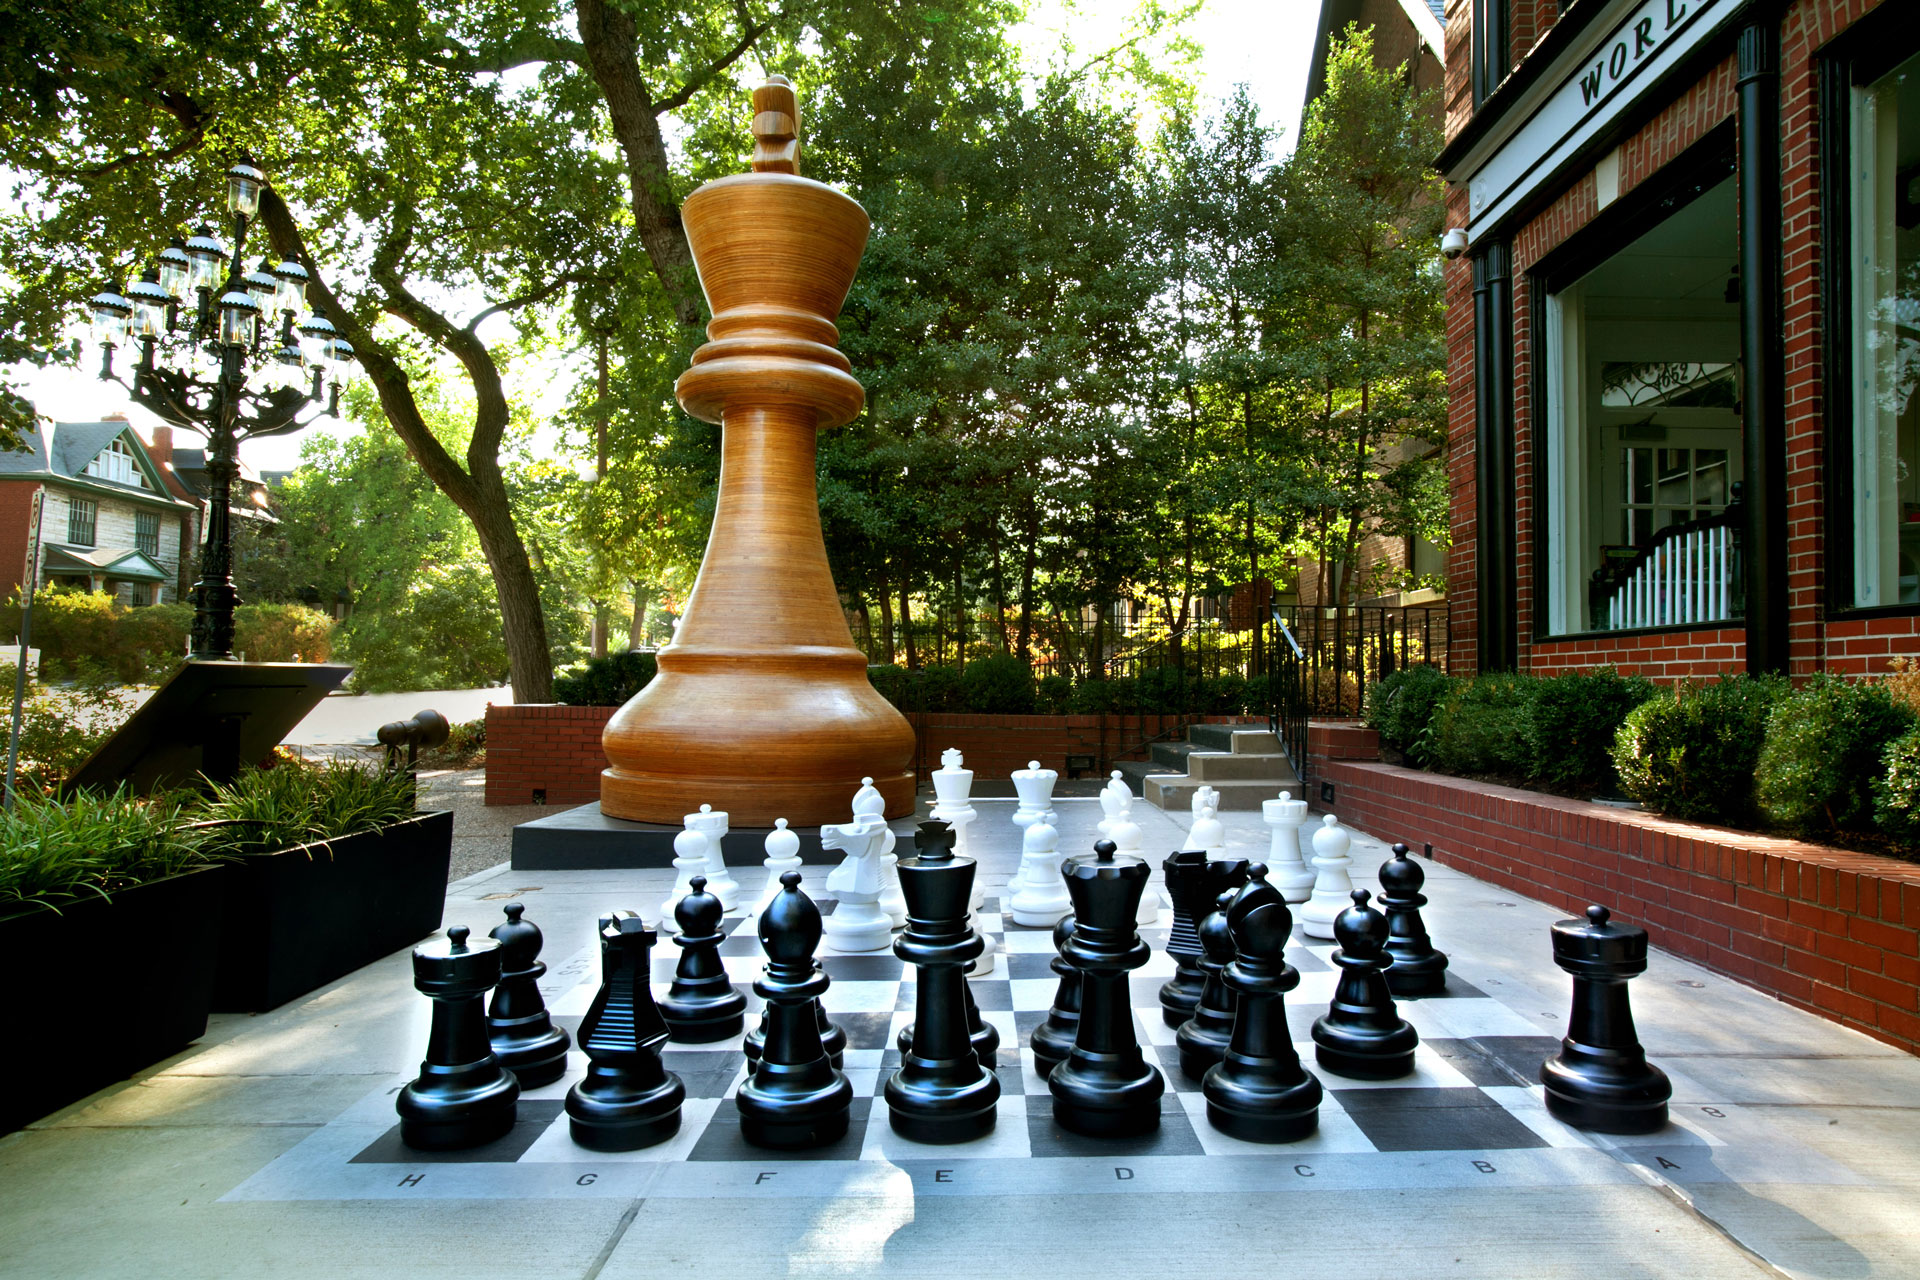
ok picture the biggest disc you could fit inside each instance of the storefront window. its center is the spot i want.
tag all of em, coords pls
(1642, 429)
(1886, 338)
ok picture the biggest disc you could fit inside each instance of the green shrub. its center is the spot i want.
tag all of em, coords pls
(157, 635)
(1163, 690)
(999, 685)
(466, 746)
(1399, 708)
(1571, 725)
(890, 682)
(937, 689)
(1896, 790)
(1052, 694)
(605, 682)
(1221, 695)
(264, 810)
(1690, 751)
(56, 851)
(280, 632)
(1480, 727)
(1825, 744)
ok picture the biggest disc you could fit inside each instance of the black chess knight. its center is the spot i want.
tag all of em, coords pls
(1601, 1078)
(463, 1097)
(522, 1032)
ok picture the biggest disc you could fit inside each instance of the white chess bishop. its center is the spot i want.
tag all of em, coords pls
(858, 923)
(783, 855)
(1034, 787)
(1332, 886)
(1042, 897)
(712, 823)
(1116, 798)
(869, 803)
(689, 860)
(1287, 868)
(1208, 834)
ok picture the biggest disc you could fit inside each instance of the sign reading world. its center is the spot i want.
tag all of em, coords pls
(1604, 75)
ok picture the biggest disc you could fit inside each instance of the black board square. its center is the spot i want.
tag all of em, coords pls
(865, 1030)
(1522, 1055)
(1024, 1021)
(1433, 1120)
(1169, 1057)
(1456, 988)
(1467, 1058)
(1174, 1137)
(879, 967)
(1021, 965)
(732, 923)
(721, 1139)
(705, 1074)
(531, 1119)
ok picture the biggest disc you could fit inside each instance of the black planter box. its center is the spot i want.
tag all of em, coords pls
(302, 917)
(106, 987)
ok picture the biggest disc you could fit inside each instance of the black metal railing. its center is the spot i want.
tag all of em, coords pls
(1344, 652)
(1287, 691)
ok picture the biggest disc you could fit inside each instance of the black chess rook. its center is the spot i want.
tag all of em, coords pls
(1362, 1034)
(795, 1098)
(1417, 969)
(627, 1099)
(462, 1097)
(1106, 1088)
(1601, 1078)
(518, 1024)
(701, 1006)
(942, 1092)
(1259, 1092)
(1053, 1039)
(1193, 885)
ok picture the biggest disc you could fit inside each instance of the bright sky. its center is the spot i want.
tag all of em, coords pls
(1266, 44)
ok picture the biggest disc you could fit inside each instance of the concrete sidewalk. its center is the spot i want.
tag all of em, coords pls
(1800, 1147)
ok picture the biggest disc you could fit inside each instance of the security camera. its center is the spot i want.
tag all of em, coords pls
(1453, 244)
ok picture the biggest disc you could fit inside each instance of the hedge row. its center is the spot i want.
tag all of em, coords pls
(1832, 756)
(82, 631)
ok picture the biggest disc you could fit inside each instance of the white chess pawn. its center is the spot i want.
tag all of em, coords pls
(783, 855)
(1332, 886)
(857, 924)
(689, 860)
(1115, 798)
(952, 805)
(712, 823)
(869, 803)
(1126, 837)
(1208, 834)
(1204, 797)
(1287, 869)
(1042, 898)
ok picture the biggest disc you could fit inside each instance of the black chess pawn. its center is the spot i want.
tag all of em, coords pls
(942, 1092)
(983, 1034)
(627, 1099)
(833, 1038)
(1106, 1088)
(1418, 969)
(1361, 1034)
(1194, 883)
(1259, 1092)
(1053, 1039)
(1601, 1078)
(794, 1097)
(1203, 1038)
(463, 1097)
(522, 1032)
(701, 1006)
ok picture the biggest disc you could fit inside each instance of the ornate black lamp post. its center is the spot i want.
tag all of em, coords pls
(219, 337)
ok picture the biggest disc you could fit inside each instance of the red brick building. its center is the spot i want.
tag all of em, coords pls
(1684, 338)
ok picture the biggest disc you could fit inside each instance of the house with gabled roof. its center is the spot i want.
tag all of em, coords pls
(109, 522)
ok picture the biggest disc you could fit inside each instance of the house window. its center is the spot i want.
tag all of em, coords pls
(1641, 438)
(1885, 354)
(146, 532)
(115, 463)
(140, 594)
(80, 521)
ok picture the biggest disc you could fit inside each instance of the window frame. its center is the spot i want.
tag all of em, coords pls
(140, 520)
(92, 505)
(1863, 53)
(1685, 178)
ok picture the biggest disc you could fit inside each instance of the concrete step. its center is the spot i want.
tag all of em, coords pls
(1211, 737)
(1176, 793)
(1255, 742)
(1223, 766)
(1172, 755)
(1135, 773)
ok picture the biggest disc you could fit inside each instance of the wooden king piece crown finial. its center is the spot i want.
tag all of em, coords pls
(776, 127)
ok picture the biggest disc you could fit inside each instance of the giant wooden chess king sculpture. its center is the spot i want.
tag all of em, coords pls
(761, 706)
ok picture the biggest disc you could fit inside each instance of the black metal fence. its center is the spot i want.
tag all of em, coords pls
(1325, 660)
(1071, 646)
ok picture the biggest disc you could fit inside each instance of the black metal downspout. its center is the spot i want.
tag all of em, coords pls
(1496, 585)
(1762, 399)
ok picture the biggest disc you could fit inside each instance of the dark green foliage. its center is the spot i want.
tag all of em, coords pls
(1825, 745)
(937, 689)
(890, 682)
(1052, 695)
(465, 747)
(1689, 751)
(1480, 727)
(999, 685)
(1571, 726)
(1896, 791)
(605, 682)
(294, 803)
(1400, 707)
(54, 851)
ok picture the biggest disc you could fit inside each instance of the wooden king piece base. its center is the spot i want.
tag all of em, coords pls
(762, 706)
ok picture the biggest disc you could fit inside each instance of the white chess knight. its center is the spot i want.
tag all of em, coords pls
(1204, 797)
(1116, 798)
(1042, 897)
(1208, 834)
(1287, 869)
(712, 823)
(1332, 886)
(1126, 837)
(869, 803)
(783, 855)
(858, 924)
(1034, 786)
(689, 860)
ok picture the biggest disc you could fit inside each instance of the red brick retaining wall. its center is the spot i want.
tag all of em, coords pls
(550, 753)
(1834, 932)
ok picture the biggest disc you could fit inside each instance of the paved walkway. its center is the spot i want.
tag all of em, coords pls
(346, 719)
(1796, 1150)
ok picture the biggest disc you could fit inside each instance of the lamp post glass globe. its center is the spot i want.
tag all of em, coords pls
(175, 268)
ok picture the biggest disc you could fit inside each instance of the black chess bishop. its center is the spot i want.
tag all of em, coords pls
(1417, 969)
(701, 1005)
(1362, 1034)
(794, 1098)
(1601, 1078)
(627, 1099)
(462, 1097)
(518, 1024)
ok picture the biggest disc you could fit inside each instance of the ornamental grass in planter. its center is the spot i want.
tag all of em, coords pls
(114, 902)
(329, 868)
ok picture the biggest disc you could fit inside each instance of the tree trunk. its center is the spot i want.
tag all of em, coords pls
(885, 595)
(1029, 566)
(637, 627)
(906, 618)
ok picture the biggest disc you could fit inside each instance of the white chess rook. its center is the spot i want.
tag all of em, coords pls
(1287, 868)
(858, 924)
(712, 823)
(1332, 886)
(1042, 897)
